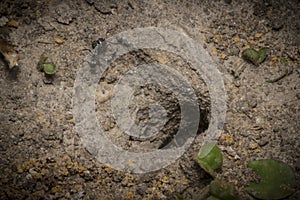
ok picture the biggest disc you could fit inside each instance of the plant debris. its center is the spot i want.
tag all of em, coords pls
(58, 41)
(8, 54)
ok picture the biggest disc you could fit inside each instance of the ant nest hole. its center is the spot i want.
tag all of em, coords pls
(143, 99)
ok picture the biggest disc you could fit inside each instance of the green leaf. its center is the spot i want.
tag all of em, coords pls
(256, 57)
(49, 68)
(277, 179)
(41, 62)
(262, 55)
(222, 190)
(210, 158)
(251, 55)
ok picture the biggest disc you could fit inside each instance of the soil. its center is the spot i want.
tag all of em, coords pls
(42, 156)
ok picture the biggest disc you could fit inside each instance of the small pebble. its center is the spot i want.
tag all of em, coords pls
(253, 146)
(264, 141)
(28, 176)
(3, 21)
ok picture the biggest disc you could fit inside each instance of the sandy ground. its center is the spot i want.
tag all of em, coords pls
(42, 156)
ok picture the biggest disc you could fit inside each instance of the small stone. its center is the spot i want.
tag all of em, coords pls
(28, 176)
(32, 171)
(235, 39)
(253, 146)
(3, 21)
(64, 14)
(264, 141)
(253, 103)
(237, 83)
(231, 152)
(228, 1)
(234, 51)
(245, 133)
(81, 194)
(276, 22)
(206, 11)
(48, 80)
(258, 35)
(111, 78)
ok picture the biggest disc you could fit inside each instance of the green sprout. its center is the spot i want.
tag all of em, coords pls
(210, 158)
(48, 68)
(255, 57)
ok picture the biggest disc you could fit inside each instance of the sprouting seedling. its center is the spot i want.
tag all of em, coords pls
(277, 179)
(48, 68)
(210, 158)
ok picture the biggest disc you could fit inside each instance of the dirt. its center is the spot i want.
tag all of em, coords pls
(42, 156)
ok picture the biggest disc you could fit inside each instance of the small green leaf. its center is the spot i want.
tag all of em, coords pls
(222, 190)
(49, 68)
(256, 57)
(210, 158)
(41, 62)
(251, 55)
(277, 179)
(262, 55)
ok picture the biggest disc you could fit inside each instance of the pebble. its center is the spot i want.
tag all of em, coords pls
(232, 152)
(87, 175)
(32, 171)
(264, 141)
(64, 14)
(81, 194)
(245, 133)
(28, 176)
(3, 21)
(234, 51)
(253, 146)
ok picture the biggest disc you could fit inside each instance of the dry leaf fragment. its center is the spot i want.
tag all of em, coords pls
(8, 54)
(13, 23)
(58, 40)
